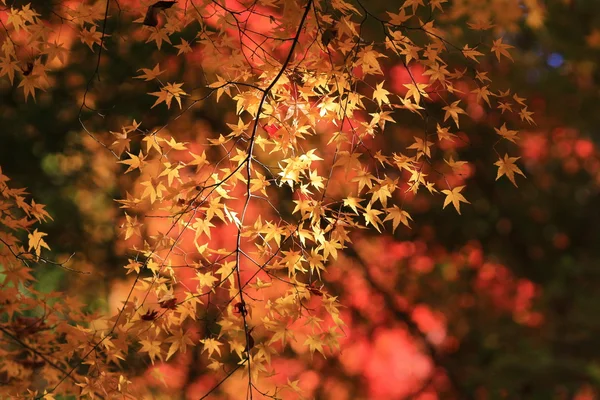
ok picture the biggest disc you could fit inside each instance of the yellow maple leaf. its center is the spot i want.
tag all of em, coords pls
(134, 161)
(453, 196)
(471, 53)
(507, 167)
(482, 93)
(526, 116)
(380, 94)
(444, 133)
(452, 111)
(455, 165)
(184, 47)
(501, 49)
(397, 215)
(314, 342)
(36, 242)
(371, 217)
(149, 74)
(211, 345)
(422, 146)
(167, 93)
(207, 279)
(91, 37)
(152, 347)
(154, 189)
(506, 133)
(416, 91)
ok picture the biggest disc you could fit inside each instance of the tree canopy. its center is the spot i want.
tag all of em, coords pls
(298, 199)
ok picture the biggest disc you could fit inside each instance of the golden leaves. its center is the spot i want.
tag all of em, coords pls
(211, 346)
(36, 242)
(134, 162)
(455, 197)
(167, 93)
(308, 125)
(416, 91)
(453, 110)
(506, 166)
(507, 134)
(152, 347)
(371, 217)
(380, 94)
(150, 74)
(314, 343)
(397, 216)
(501, 49)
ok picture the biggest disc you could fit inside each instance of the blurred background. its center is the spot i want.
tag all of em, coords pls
(499, 302)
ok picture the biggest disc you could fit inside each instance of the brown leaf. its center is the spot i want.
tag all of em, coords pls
(171, 303)
(150, 315)
(152, 12)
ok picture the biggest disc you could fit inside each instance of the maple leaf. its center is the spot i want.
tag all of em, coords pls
(36, 242)
(154, 189)
(314, 343)
(526, 116)
(179, 342)
(397, 215)
(519, 100)
(444, 133)
(480, 25)
(15, 17)
(222, 86)
(56, 50)
(8, 67)
(380, 94)
(211, 346)
(153, 142)
(171, 172)
(29, 83)
(482, 93)
(159, 35)
(437, 4)
(455, 165)
(455, 197)
(152, 347)
(132, 227)
(37, 210)
(507, 167)
(134, 161)
(123, 143)
(414, 4)
(501, 49)
(207, 279)
(482, 76)
(471, 53)
(437, 72)
(507, 134)
(452, 111)
(416, 91)
(293, 386)
(184, 47)
(91, 37)
(353, 203)
(199, 160)
(422, 147)
(150, 74)
(504, 106)
(167, 93)
(371, 217)
(398, 19)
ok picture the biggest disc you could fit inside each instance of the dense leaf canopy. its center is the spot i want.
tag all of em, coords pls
(299, 199)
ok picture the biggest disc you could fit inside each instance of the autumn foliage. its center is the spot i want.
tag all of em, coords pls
(236, 230)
